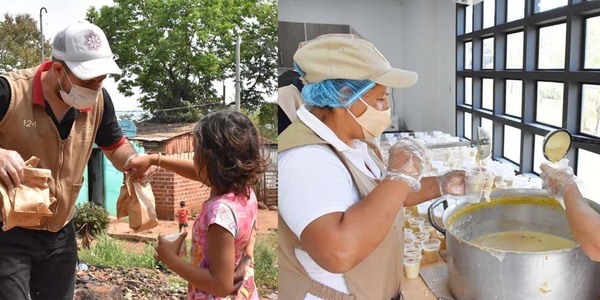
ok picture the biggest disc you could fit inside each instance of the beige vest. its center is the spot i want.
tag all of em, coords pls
(30, 131)
(376, 277)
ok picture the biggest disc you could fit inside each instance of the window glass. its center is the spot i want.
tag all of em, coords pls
(549, 108)
(551, 54)
(487, 100)
(488, 54)
(514, 97)
(468, 55)
(489, 13)
(538, 153)
(512, 144)
(544, 5)
(515, 10)
(514, 50)
(468, 90)
(590, 109)
(468, 125)
(469, 19)
(587, 172)
(592, 43)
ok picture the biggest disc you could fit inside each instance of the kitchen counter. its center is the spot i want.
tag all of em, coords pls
(417, 289)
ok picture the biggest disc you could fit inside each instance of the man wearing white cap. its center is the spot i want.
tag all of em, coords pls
(340, 230)
(56, 112)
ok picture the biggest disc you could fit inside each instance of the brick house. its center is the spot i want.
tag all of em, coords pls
(169, 188)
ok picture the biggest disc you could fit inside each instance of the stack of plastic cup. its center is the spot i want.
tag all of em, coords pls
(407, 214)
(412, 260)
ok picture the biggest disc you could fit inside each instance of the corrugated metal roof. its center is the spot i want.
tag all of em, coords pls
(158, 132)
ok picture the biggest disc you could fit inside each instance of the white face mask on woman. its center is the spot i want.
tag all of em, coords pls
(79, 97)
(373, 121)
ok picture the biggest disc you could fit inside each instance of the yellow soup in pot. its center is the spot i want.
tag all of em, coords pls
(524, 241)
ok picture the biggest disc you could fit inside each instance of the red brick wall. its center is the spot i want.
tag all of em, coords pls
(169, 189)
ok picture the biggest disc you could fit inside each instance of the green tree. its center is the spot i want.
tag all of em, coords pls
(20, 43)
(174, 51)
(267, 120)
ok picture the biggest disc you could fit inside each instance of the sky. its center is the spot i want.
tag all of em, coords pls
(61, 13)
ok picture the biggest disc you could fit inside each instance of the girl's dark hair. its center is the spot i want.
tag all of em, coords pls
(228, 145)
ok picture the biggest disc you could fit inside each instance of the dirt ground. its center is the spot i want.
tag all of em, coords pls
(267, 221)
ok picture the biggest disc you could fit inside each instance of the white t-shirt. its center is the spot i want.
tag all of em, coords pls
(314, 182)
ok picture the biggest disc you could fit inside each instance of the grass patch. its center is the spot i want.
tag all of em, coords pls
(110, 252)
(265, 263)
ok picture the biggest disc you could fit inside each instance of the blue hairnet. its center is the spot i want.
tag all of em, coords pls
(335, 92)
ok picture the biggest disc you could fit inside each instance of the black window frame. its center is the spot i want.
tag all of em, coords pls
(573, 76)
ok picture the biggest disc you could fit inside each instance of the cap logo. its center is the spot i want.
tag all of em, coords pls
(92, 41)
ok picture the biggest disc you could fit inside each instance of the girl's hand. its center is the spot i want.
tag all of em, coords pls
(140, 166)
(168, 246)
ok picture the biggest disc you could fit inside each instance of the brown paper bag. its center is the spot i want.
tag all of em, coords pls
(136, 200)
(26, 205)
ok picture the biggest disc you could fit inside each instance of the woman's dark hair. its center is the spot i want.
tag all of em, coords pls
(228, 145)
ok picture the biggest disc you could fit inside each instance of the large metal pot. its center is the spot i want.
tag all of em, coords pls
(475, 272)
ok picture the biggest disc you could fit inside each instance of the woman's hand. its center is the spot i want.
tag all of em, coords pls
(408, 160)
(556, 180)
(452, 183)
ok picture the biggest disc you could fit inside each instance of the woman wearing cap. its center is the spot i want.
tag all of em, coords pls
(340, 230)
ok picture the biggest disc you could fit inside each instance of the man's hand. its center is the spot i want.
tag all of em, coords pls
(141, 167)
(11, 168)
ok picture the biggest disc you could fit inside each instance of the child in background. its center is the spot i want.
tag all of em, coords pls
(227, 158)
(182, 216)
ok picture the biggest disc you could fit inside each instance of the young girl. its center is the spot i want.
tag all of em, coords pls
(228, 159)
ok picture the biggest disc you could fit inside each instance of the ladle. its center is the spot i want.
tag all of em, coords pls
(556, 145)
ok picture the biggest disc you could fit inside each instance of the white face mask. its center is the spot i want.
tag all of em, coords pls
(79, 97)
(373, 121)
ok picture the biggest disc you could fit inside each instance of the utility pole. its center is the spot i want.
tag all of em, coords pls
(42, 32)
(237, 73)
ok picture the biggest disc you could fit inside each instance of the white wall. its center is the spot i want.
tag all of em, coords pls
(416, 35)
(429, 49)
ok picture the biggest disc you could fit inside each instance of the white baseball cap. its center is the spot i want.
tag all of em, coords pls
(85, 50)
(345, 56)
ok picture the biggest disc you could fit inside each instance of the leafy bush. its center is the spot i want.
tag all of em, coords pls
(90, 218)
(265, 263)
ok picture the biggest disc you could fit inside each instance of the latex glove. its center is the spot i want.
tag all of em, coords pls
(556, 180)
(11, 168)
(452, 183)
(408, 160)
(169, 247)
